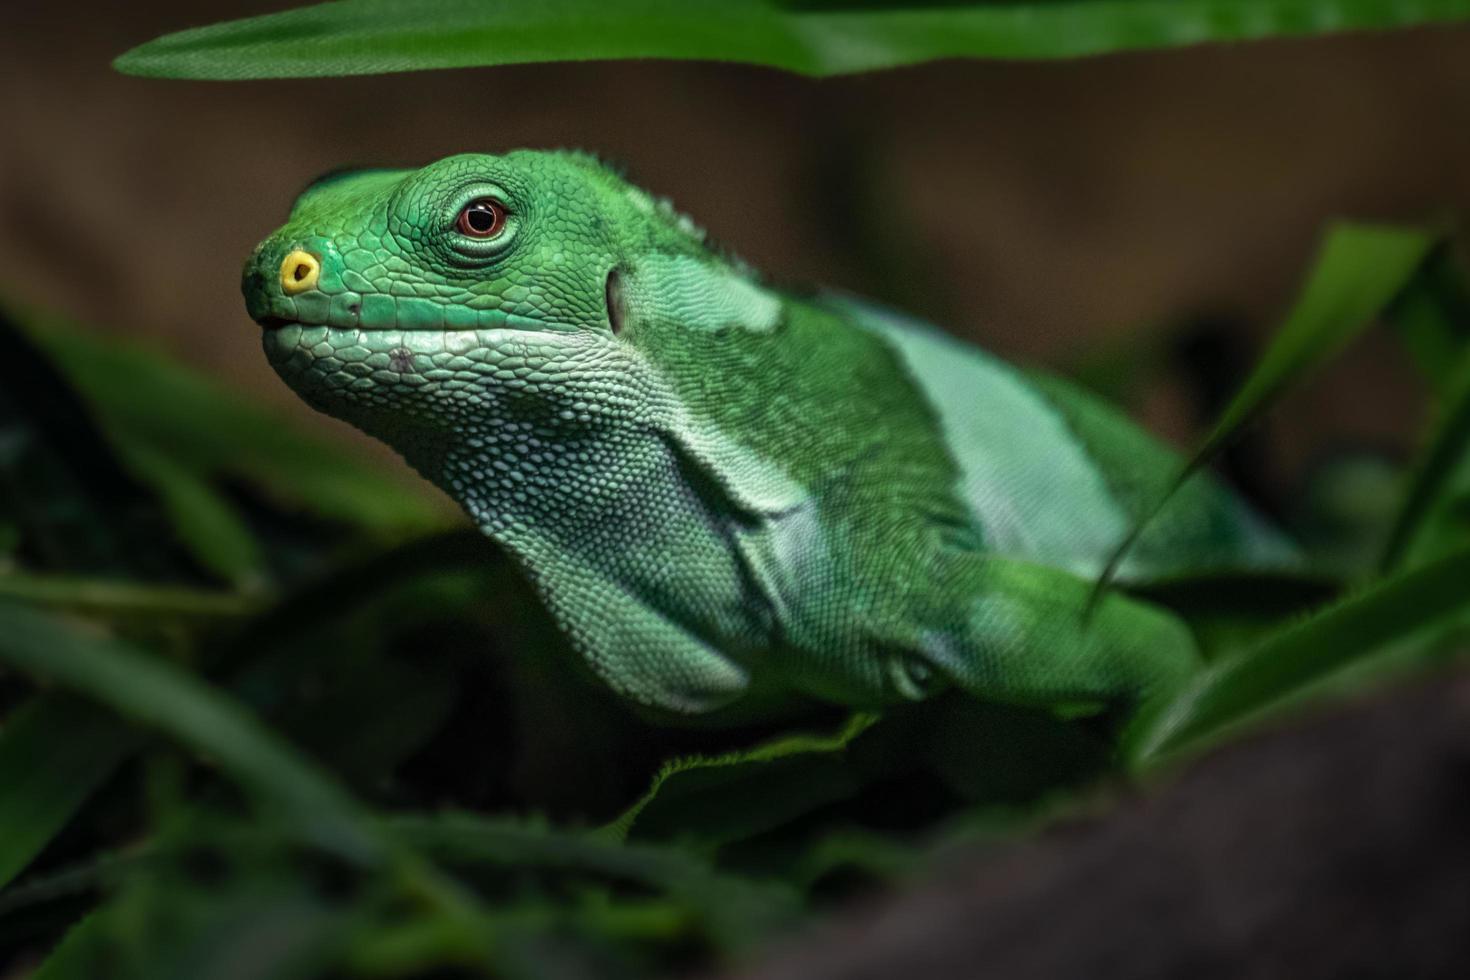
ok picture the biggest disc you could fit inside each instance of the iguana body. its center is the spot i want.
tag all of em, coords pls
(719, 487)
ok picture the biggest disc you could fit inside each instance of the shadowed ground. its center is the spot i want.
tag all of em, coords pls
(1337, 848)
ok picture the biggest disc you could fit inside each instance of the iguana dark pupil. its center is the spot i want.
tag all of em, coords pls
(480, 218)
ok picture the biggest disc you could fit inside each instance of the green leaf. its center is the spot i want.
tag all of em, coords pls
(308, 805)
(77, 509)
(205, 521)
(120, 599)
(1433, 485)
(357, 37)
(153, 405)
(735, 908)
(158, 695)
(82, 953)
(1432, 316)
(1228, 611)
(736, 793)
(1293, 659)
(1360, 270)
(54, 753)
(284, 934)
(163, 925)
(98, 870)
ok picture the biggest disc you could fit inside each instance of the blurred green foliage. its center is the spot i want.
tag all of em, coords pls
(267, 712)
(813, 37)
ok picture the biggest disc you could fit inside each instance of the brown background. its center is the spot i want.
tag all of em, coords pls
(1048, 210)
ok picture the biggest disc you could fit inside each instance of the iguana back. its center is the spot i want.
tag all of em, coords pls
(1054, 474)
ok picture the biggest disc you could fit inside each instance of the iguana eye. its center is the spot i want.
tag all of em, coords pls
(481, 218)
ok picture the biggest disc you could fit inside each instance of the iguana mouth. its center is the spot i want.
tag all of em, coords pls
(353, 319)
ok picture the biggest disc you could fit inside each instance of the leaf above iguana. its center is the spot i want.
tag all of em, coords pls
(359, 37)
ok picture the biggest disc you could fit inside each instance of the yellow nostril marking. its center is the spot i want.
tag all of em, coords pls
(299, 271)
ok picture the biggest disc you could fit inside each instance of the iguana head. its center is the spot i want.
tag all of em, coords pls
(383, 282)
(482, 306)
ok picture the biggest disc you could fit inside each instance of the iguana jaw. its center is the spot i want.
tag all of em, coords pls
(422, 390)
(322, 340)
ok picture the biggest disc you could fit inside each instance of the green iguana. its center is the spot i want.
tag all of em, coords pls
(723, 490)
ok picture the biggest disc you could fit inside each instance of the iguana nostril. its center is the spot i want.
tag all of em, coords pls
(299, 272)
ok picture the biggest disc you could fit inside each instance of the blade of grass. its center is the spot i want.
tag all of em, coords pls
(117, 598)
(1288, 662)
(94, 746)
(311, 806)
(158, 695)
(153, 404)
(54, 753)
(82, 953)
(160, 934)
(735, 908)
(355, 37)
(76, 507)
(104, 868)
(1433, 481)
(1432, 317)
(1359, 271)
(78, 511)
(205, 521)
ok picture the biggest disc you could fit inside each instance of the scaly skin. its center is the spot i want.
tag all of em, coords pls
(721, 490)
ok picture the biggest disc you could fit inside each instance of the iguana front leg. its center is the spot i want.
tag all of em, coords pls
(1003, 630)
(1022, 633)
(634, 646)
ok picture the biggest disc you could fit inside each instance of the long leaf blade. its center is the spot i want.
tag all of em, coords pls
(778, 749)
(732, 905)
(77, 507)
(158, 695)
(1433, 479)
(357, 37)
(82, 953)
(1286, 663)
(157, 407)
(1360, 270)
(54, 753)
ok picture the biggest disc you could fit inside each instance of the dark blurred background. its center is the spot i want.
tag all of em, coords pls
(1056, 212)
